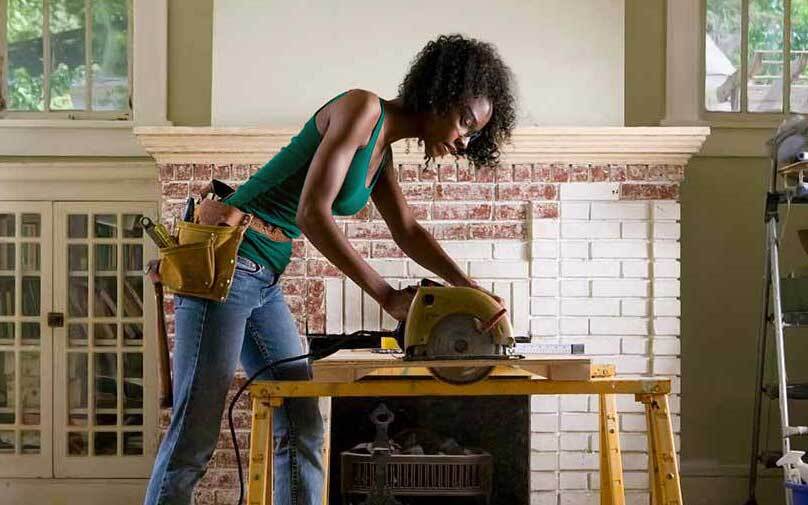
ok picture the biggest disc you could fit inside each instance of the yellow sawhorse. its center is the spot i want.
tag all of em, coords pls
(663, 468)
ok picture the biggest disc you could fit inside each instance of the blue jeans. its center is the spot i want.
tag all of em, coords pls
(255, 325)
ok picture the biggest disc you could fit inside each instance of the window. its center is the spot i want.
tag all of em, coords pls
(68, 59)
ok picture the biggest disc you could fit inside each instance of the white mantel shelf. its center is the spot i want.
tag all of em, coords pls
(646, 145)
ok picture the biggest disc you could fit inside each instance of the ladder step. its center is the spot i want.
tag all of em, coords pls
(769, 458)
(795, 391)
(795, 319)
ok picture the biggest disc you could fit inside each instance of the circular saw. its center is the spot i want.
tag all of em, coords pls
(456, 324)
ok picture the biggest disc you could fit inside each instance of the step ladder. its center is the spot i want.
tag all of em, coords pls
(779, 316)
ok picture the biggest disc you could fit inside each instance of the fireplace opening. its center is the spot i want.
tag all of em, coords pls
(458, 450)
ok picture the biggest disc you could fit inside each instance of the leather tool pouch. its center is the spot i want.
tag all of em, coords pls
(204, 262)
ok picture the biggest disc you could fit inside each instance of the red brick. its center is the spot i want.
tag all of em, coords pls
(241, 172)
(169, 209)
(223, 458)
(166, 172)
(522, 172)
(497, 231)
(649, 191)
(465, 172)
(428, 173)
(298, 248)
(637, 172)
(221, 172)
(321, 268)
(599, 173)
(315, 323)
(225, 442)
(204, 497)
(175, 190)
(486, 174)
(196, 187)
(296, 267)
(226, 497)
(542, 172)
(368, 230)
(463, 191)
(449, 231)
(504, 173)
(183, 172)
(386, 249)
(218, 479)
(241, 419)
(419, 211)
(203, 172)
(457, 211)
(617, 173)
(545, 210)
(560, 172)
(296, 304)
(510, 211)
(447, 172)
(519, 191)
(579, 173)
(293, 286)
(408, 173)
(672, 173)
(418, 191)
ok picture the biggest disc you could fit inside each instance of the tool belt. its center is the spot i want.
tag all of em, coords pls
(204, 262)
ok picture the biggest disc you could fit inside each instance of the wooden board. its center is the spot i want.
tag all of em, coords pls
(352, 365)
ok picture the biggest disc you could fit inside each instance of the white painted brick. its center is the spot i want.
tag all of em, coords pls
(333, 305)
(371, 313)
(574, 287)
(619, 210)
(667, 307)
(572, 480)
(579, 461)
(634, 461)
(632, 422)
(634, 229)
(590, 191)
(544, 306)
(544, 498)
(510, 250)
(599, 345)
(544, 403)
(634, 307)
(662, 229)
(543, 481)
(666, 211)
(666, 326)
(619, 249)
(634, 442)
(676, 385)
(575, 249)
(543, 228)
(520, 307)
(389, 268)
(543, 423)
(498, 269)
(574, 441)
(574, 403)
(667, 287)
(667, 249)
(627, 364)
(573, 268)
(635, 346)
(629, 403)
(544, 441)
(544, 287)
(471, 249)
(675, 404)
(544, 249)
(574, 210)
(620, 287)
(574, 325)
(579, 422)
(540, 326)
(635, 480)
(666, 366)
(579, 498)
(638, 498)
(666, 346)
(543, 461)
(353, 307)
(619, 326)
(590, 229)
(635, 269)
(544, 268)
(590, 306)
(417, 271)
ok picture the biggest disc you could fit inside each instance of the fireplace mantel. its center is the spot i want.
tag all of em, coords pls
(646, 145)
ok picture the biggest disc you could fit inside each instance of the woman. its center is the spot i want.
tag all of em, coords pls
(456, 99)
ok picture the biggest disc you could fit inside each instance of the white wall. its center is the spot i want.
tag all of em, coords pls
(275, 62)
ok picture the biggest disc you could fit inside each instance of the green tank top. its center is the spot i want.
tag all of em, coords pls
(273, 192)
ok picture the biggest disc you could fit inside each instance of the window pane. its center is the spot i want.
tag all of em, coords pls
(6, 296)
(106, 296)
(30, 296)
(25, 72)
(110, 62)
(68, 69)
(133, 443)
(77, 226)
(106, 225)
(765, 56)
(29, 380)
(30, 333)
(30, 257)
(105, 443)
(77, 335)
(133, 297)
(106, 257)
(133, 257)
(6, 225)
(131, 226)
(77, 296)
(77, 443)
(799, 53)
(105, 334)
(77, 388)
(6, 442)
(30, 225)
(7, 376)
(30, 442)
(77, 257)
(723, 56)
(7, 257)
(6, 333)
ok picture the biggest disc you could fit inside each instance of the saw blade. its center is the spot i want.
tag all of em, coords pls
(457, 336)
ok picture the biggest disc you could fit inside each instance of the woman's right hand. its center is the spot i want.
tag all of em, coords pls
(398, 302)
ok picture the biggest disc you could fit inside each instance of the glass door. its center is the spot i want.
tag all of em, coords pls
(25, 339)
(105, 425)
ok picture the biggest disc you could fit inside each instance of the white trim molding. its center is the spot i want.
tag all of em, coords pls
(645, 145)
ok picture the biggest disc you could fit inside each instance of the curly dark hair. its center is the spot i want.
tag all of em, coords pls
(452, 69)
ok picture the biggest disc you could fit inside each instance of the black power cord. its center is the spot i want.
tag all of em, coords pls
(339, 343)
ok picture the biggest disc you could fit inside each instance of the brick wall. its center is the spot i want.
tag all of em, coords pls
(581, 253)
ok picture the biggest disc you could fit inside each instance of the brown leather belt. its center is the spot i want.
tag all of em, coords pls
(214, 212)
